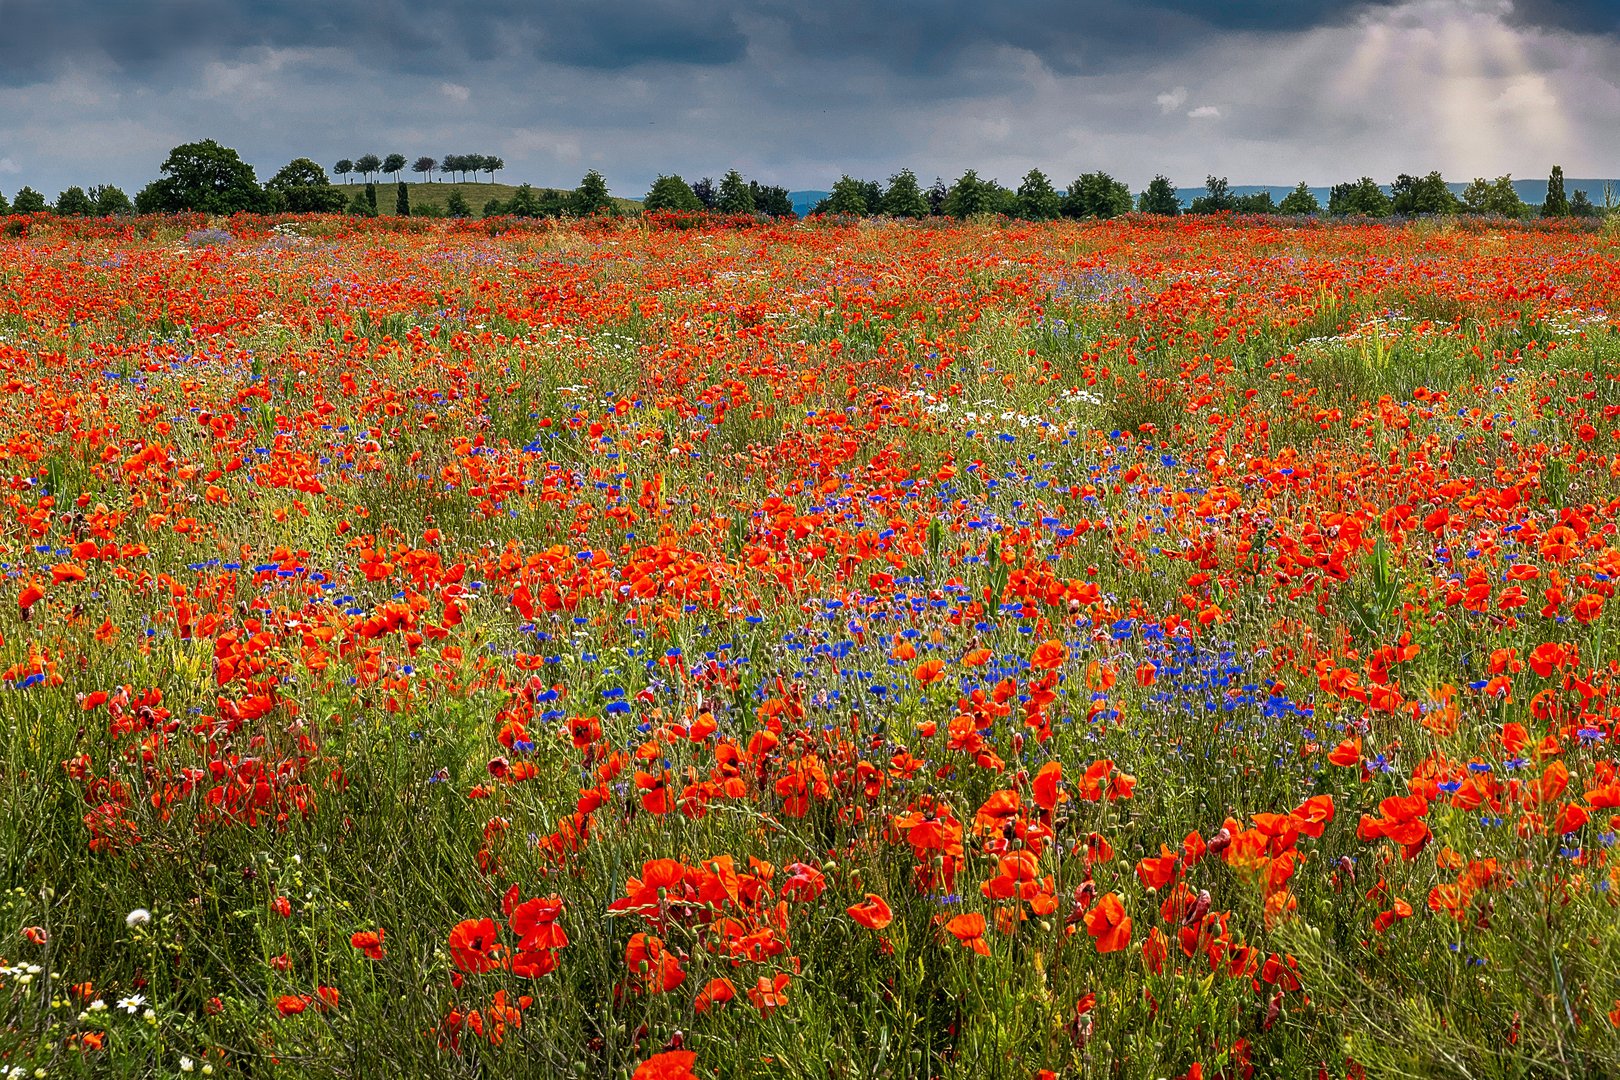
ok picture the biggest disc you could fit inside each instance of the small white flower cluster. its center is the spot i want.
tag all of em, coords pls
(22, 973)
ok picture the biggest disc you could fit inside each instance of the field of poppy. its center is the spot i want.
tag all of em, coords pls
(1157, 648)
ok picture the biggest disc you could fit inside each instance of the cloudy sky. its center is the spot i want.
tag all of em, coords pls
(1261, 91)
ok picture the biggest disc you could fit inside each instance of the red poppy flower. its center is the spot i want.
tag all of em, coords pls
(475, 945)
(1108, 923)
(872, 913)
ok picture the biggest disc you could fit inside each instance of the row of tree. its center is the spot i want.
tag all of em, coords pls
(211, 178)
(1098, 195)
(369, 165)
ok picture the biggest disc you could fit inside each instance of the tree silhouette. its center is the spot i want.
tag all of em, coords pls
(393, 163)
(425, 165)
(343, 168)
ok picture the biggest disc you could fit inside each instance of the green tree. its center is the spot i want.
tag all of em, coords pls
(450, 163)
(424, 166)
(472, 163)
(5, 207)
(28, 201)
(359, 207)
(1256, 202)
(1217, 197)
(591, 197)
(456, 205)
(1557, 203)
(1300, 201)
(493, 208)
(671, 193)
(366, 164)
(1494, 198)
(111, 201)
(394, 164)
(402, 198)
(74, 203)
(1096, 195)
(704, 190)
(937, 195)
(1412, 196)
(971, 196)
(492, 165)
(847, 198)
(1159, 197)
(1580, 205)
(1037, 199)
(770, 200)
(1358, 198)
(301, 187)
(343, 168)
(371, 197)
(523, 202)
(904, 197)
(203, 177)
(733, 196)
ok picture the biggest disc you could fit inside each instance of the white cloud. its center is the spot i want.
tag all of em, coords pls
(1172, 100)
(455, 92)
(9, 166)
(1205, 112)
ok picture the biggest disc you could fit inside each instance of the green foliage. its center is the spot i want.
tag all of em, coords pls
(848, 197)
(1256, 202)
(591, 197)
(74, 203)
(203, 177)
(1580, 205)
(111, 201)
(402, 199)
(360, 206)
(366, 164)
(1414, 196)
(770, 200)
(28, 201)
(733, 196)
(1217, 197)
(493, 208)
(1159, 198)
(1096, 195)
(971, 196)
(1300, 201)
(1358, 198)
(457, 206)
(1037, 200)
(1494, 198)
(393, 164)
(301, 187)
(343, 167)
(371, 197)
(904, 197)
(424, 166)
(1557, 203)
(704, 190)
(5, 207)
(671, 193)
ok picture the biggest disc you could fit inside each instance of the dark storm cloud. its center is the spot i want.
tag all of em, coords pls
(907, 37)
(440, 36)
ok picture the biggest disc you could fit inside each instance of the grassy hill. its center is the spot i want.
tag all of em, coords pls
(436, 194)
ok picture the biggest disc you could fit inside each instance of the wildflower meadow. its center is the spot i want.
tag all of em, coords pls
(689, 647)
